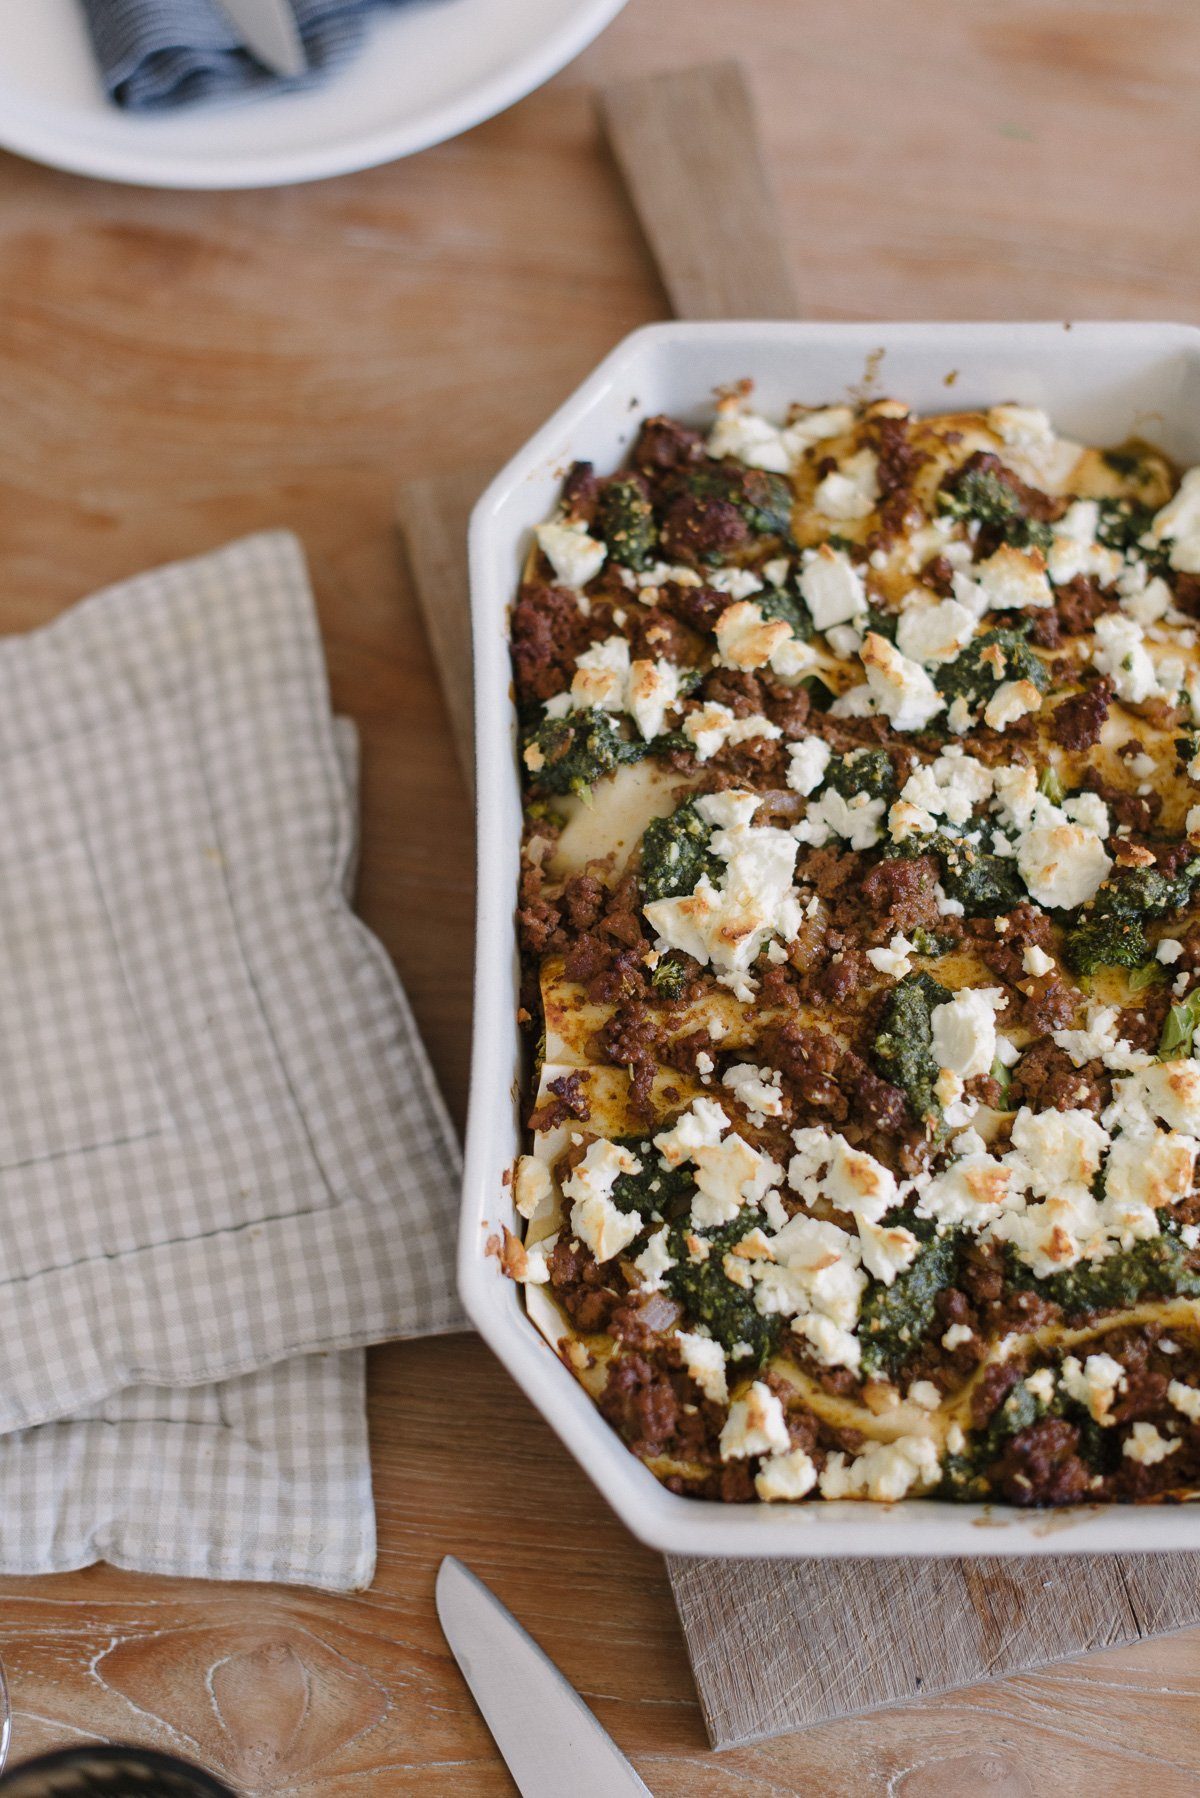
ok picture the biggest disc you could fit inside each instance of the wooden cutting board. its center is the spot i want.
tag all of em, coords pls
(781, 1645)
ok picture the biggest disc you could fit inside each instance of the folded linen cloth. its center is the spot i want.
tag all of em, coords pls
(220, 1143)
(267, 1477)
(162, 53)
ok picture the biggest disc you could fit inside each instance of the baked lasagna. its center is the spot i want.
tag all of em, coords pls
(861, 951)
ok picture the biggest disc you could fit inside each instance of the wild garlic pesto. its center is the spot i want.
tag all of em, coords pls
(860, 919)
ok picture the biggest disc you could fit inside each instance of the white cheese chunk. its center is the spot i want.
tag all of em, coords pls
(755, 1426)
(1062, 864)
(934, 634)
(699, 1128)
(858, 819)
(575, 557)
(1185, 1399)
(894, 959)
(783, 1477)
(705, 1362)
(808, 761)
(956, 1336)
(887, 1252)
(1145, 1445)
(757, 1089)
(713, 726)
(964, 1031)
(1014, 580)
(1012, 700)
(1121, 653)
(531, 1186)
(851, 490)
(902, 689)
(1178, 523)
(1094, 1384)
(746, 639)
(885, 1471)
(655, 1261)
(831, 587)
(652, 690)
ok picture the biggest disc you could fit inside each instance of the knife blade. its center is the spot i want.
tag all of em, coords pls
(269, 31)
(550, 1741)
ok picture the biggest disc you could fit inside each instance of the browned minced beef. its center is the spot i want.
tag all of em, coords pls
(537, 917)
(1026, 927)
(731, 1484)
(659, 1409)
(1049, 1004)
(807, 1058)
(696, 607)
(663, 445)
(587, 1292)
(1137, 811)
(938, 576)
(581, 490)
(832, 874)
(631, 1039)
(742, 692)
(1046, 1079)
(655, 633)
(1076, 723)
(901, 895)
(788, 707)
(982, 1277)
(897, 463)
(548, 632)
(702, 528)
(875, 1102)
(1079, 603)
(606, 956)
(844, 970)
(1040, 1466)
(568, 1102)
(1142, 1025)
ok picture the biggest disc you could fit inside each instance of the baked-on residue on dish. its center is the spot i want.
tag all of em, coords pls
(861, 756)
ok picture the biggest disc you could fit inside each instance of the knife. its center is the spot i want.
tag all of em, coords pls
(268, 29)
(550, 1741)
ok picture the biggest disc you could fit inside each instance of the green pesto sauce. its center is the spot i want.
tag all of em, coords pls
(625, 520)
(903, 1047)
(579, 750)
(1158, 1267)
(866, 771)
(980, 494)
(969, 676)
(675, 854)
(894, 1319)
(653, 1188)
(708, 1297)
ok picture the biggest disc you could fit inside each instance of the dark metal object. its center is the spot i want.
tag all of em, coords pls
(110, 1773)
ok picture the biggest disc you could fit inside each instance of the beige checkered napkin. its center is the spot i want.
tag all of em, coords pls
(266, 1477)
(220, 1145)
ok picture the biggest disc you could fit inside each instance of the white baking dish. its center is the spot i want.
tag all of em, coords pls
(1100, 383)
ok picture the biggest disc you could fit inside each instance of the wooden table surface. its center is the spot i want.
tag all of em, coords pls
(175, 369)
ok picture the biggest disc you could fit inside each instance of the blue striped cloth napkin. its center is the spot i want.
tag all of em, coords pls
(155, 54)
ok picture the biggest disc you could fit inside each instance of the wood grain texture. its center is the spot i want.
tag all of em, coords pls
(175, 368)
(687, 145)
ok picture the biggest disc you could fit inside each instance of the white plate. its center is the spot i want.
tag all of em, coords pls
(423, 75)
(1099, 382)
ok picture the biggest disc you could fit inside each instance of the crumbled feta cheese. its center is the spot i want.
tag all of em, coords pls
(951, 786)
(1095, 1043)
(1013, 580)
(788, 1476)
(1184, 1398)
(712, 726)
(1041, 1384)
(885, 1471)
(531, 1186)
(925, 1394)
(1169, 1090)
(755, 1426)
(730, 1174)
(1178, 523)
(738, 583)
(1056, 1152)
(831, 587)
(1036, 962)
(1121, 653)
(598, 1223)
(747, 438)
(844, 640)
(808, 761)
(1145, 1171)
(757, 1089)
(700, 1128)
(887, 1252)
(901, 687)
(956, 1336)
(935, 633)
(858, 819)
(655, 1261)
(1168, 951)
(894, 959)
(1143, 1443)
(1075, 551)
(1012, 700)
(853, 1180)
(602, 676)
(1062, 864)
(851, 490)
(653, 689)
(747, 640)
(705, 1362)
(971, 1191)
(964, 1031)
(575, 557)
(1094, 1384)
(728, 926)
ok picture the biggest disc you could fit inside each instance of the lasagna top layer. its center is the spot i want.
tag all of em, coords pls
(862, 960)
